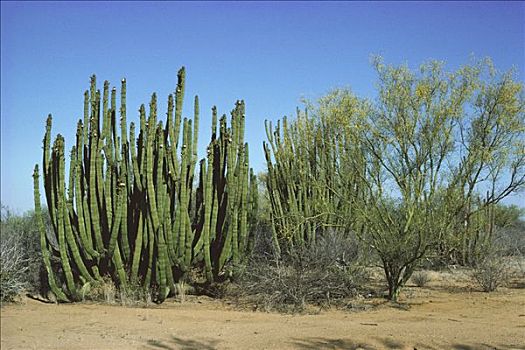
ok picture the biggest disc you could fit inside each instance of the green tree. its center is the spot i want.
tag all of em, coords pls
(491, 143)
(507, 215)
(418, 168)
(410, 138)
(437, 141)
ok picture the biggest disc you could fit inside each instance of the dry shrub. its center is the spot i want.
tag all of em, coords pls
(184, 288)
(104, 291)
(20, 258)
(13, 267)
(107, 292)
(490, 272)
(134, 295)
(322, 273)
(420, 278)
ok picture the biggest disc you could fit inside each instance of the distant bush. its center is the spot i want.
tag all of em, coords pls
(420, 278)
(321, 273)
(512, 238)
(490, 272)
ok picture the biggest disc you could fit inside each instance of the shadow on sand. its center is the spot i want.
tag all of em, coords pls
(326, 343)
(388, 343)
(176, 343)
(486, 347)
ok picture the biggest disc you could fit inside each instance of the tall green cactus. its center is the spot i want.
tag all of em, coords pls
(46, 256)
(304, 160)
(131, 210)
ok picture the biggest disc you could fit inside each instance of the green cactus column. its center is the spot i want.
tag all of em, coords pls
(131, 211)
(46, 256)
(58, 165)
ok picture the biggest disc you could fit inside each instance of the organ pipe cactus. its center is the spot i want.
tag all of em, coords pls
(131, 210)
(305, 160)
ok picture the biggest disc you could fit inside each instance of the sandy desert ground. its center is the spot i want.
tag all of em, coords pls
(443, 315)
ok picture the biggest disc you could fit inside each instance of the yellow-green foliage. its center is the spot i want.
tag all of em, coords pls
(421, 166)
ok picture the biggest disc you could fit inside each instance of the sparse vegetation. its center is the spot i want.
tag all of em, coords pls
(322, 273)
(107, 292)
(20, 257)
(13, 268)
(421, 278)
(491, 271)
(103, 291)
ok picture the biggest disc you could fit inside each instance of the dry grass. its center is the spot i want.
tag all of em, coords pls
(106, 292)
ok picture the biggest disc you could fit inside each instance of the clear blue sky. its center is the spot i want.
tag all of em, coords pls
(269, 54)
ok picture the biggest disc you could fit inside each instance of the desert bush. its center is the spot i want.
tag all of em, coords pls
(13, 266)
(490, 272)
(21, 258)
(512, 238)
(135, 295)
(132, 294)
(320, 273)
(104, 291)
(420, 278)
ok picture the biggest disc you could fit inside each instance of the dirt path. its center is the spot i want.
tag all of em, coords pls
(434, 320)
